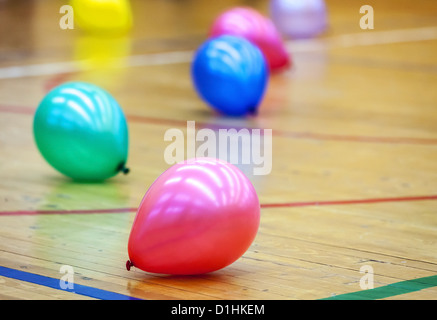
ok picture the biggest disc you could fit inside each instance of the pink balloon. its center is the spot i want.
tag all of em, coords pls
(199, 216)
(260, 30)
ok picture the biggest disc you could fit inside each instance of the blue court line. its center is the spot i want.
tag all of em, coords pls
(54, 283)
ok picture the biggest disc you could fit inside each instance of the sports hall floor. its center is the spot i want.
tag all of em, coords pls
(354, 176)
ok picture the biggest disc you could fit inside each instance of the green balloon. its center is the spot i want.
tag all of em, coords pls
(82, 132)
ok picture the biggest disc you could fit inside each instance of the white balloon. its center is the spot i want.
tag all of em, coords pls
(299, 18)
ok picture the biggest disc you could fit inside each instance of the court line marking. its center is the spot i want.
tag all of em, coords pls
(368, 38)
(295, 134)
(346, 202)
(54, 68)
(54, 284)
(263, 206)
(275, 132)
(390, 290)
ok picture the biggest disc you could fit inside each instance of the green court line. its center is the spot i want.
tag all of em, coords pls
(390, 290)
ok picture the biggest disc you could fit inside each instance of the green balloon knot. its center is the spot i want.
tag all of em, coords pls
(121, 167)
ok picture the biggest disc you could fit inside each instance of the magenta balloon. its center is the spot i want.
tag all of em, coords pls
(199, 216)
(258, 29)
(299, 18)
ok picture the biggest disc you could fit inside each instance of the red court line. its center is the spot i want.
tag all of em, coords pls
(263, 206)
(346, 202)
(295, 135)
(369, 139)
(55, 81)
(17, 109)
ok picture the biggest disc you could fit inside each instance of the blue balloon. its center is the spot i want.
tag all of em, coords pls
(230, 74)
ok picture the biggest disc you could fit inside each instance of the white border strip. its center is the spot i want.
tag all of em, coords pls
(368, 38)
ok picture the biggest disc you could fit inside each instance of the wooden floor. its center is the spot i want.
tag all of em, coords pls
(354, 177)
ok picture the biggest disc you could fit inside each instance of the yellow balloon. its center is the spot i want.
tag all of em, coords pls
(105, 17)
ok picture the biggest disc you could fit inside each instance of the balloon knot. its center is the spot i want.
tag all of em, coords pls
(253, 111)
(129, 264)
(122, 168)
